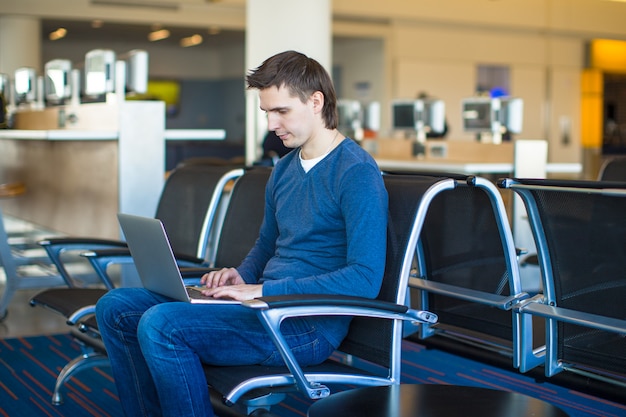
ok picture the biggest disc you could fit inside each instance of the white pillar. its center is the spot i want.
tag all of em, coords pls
(274, 26)
(20, 43)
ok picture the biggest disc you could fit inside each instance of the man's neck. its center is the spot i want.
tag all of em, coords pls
(321, 145)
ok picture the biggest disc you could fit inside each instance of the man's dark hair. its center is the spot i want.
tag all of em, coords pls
(302, 76)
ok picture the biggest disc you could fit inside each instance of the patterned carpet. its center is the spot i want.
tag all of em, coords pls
(29, 366)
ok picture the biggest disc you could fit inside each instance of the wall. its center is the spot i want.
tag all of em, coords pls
(442, 60)
(424, 45)
(401, 60)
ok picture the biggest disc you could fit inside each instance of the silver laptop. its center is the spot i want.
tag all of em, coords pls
(155, 261)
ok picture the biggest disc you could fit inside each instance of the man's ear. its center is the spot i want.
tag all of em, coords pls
(317, 98)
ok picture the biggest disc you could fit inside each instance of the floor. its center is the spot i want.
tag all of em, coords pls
(22, 319)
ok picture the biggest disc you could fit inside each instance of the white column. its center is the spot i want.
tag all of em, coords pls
(20, 43)
(274, 26)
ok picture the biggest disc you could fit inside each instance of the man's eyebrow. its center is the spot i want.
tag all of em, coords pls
(274, 109)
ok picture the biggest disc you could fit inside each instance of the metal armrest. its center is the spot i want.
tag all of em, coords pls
(86, 242)
(56, 246)
(122, 255)
(339, 305)
(580, 318)
(80, 314)
(481, 297)
(101, 259)
(196, 272)
(273, 310)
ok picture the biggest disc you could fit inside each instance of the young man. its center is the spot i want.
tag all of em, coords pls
(324, 232)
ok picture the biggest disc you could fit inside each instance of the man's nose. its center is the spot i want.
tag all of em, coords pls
(272, 122)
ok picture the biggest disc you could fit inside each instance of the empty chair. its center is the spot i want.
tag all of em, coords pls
(17, 277)
(190, 202)
(236, 234)
(613, 169)
(579, 229)
(375, 334)
(189, 199)
(467, 273)
(16, 265)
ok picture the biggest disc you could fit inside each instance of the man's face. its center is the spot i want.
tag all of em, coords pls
(292, 120)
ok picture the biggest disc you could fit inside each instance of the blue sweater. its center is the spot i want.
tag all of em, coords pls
(324, 232)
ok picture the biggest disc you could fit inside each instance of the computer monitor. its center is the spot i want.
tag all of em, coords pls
(496, 116)
(136, 71)
(99, 72)
(477, 115)
(25, 85)
(422, 116)
(57, 80)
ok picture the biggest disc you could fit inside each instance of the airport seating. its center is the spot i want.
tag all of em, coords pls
(579, 229)
(375, 333)
(613, 169)
(22, 270)
(235, 233)
(190, 198)
(189, 206)
(467, 273)
(19, 272)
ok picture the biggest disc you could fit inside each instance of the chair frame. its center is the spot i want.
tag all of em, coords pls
(546, 305)
(427, 286)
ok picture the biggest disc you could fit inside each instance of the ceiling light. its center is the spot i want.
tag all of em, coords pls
(58, 34)
(158, 35)
(191, 41)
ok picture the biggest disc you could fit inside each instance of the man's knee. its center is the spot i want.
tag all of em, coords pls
(116, 305)
(155, 323)
(108, 306)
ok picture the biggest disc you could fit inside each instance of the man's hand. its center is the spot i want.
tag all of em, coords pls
(225, 276)
(227, 283)
(239, 292)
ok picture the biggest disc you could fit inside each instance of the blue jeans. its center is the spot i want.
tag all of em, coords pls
(157, 346)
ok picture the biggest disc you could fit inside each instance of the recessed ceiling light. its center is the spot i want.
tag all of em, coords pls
(58, 34)
(158, 35)
(191, 41)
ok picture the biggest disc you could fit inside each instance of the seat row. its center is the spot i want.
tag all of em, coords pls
(450, 254)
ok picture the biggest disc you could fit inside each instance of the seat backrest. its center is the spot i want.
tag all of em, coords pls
(580, 233)
(241, 223)
(378, 340)
(466, 268)
(613, 169)
(186, 202)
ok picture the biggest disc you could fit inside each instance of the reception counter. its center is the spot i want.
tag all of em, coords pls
(78, 179)
(492, 168)
(468, 157)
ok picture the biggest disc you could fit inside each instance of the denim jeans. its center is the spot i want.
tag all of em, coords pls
(157, 346)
